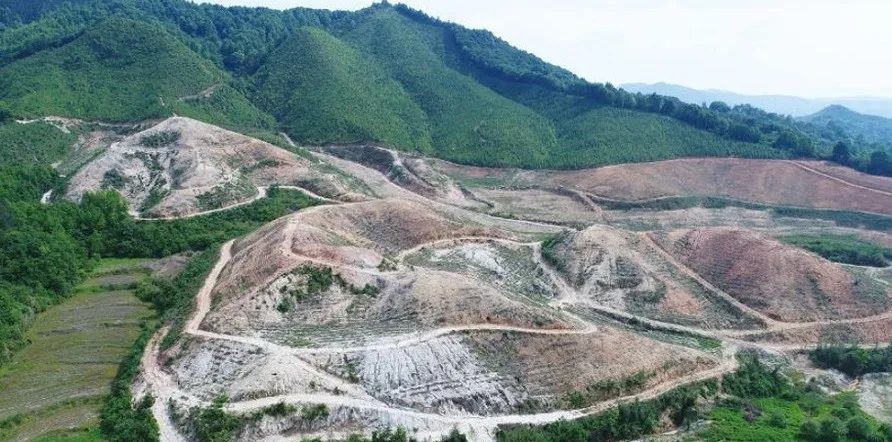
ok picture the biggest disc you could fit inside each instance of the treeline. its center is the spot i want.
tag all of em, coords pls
(853, 361)
(240, 40)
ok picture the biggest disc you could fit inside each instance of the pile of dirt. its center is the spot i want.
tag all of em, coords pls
(182, 166)
(784, 282)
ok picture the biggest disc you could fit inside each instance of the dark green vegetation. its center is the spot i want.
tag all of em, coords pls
(213, 424)
(122, 70)
(756, 403)
(323, 90)
(46, 250)
(385, 74)
(853, 361)
(35, 143)
(843, 248)
(840, 121)
(607, 389)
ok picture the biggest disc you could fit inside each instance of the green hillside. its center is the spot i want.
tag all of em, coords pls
(385, 74)
(121, 70)
(469, 122)
(842, 120)
(321, 90)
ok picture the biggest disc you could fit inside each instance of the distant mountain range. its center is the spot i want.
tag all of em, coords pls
(782, 104)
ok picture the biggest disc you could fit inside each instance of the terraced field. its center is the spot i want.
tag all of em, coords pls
(56, 384)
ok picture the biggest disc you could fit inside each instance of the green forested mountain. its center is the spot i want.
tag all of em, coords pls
(839, 121)
(384, 74)
(322, 90)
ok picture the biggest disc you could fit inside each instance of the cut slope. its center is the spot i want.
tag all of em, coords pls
(781, 281)
(324, 91)
(344, 248)
(182, 166)
(619, 269)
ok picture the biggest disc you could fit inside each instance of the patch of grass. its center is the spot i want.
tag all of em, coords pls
(846, 249)
(155, 197)
(113, 179)
(81, 435)
(858, 220)
(213, 424)
(225, 194)
(608, 388)
(318, 280)
(314, 412)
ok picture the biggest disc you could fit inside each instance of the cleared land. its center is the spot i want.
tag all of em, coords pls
(440, 296)
(811, 184)
(779, 280)
(182, 166)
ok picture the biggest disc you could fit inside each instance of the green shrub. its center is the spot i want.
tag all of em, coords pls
(213, 424)
(832, 430)
(843, 248)
(313, 412)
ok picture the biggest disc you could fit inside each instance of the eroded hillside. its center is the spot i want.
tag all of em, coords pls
(423, 304)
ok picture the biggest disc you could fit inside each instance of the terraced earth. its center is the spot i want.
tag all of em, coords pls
(435, 300)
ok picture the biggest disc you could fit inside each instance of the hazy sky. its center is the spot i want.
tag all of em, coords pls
(811, 48)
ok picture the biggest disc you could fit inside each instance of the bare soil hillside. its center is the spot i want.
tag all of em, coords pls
(779, 280)
(182, 166)
(810, 184)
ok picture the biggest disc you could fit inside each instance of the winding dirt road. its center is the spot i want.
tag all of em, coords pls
(161, 384)
(481, 427)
